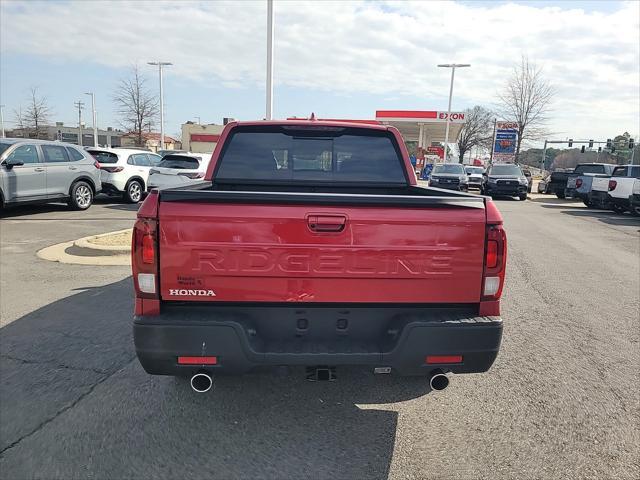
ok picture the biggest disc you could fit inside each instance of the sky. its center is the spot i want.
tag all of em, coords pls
(336, 59)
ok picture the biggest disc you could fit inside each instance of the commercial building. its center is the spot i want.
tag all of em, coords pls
(151, 141)
(199, 138)
(109, 137)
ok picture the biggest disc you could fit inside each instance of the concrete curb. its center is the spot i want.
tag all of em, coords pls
(86, 244)
(58, 253)
(83, 252)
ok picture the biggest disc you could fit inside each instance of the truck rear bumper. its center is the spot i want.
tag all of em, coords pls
(248, 338)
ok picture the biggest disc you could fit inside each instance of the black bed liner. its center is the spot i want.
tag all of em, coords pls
(356, 195)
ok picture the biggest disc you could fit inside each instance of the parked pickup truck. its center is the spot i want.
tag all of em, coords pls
(309, 244)
(558, 182)
(621, 187)
(579, 182)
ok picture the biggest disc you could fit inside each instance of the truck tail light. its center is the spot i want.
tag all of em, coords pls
(612, 185)
(578, 183)
(495, 261)
(144, 258)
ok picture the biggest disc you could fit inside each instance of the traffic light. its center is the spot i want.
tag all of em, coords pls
(609, 143)
(570, 142)
(582, 149)
(631, 144)
(591, 143)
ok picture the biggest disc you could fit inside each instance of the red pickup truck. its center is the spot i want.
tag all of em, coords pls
(310, 244)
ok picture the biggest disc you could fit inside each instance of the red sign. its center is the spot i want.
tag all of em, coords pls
(436, 151)
(454, 116)
(204, 137)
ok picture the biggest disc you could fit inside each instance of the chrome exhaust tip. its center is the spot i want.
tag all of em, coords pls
(201, 382)
(438, 380)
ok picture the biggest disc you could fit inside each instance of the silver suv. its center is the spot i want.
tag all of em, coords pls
(36, 171)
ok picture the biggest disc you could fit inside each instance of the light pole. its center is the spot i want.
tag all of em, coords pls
(93, 118)
(160, 65)
(80, 106)
(2, 120)
(269, 113)
(453, 67)
(198, 120)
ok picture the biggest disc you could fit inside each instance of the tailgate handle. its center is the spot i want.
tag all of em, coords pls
(326, 223)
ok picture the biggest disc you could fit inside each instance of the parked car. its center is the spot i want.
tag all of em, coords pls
(125, 171)
(558, 181)
(585, 172)
(178, 169)
(621, 187)
(449, 175)
(316, 262)
(474, 174)
(527, 174)
(544, 184)
(505, 179)
(36, 171)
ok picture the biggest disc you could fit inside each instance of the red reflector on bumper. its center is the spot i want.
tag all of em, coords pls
(197, 360)
(433, 359)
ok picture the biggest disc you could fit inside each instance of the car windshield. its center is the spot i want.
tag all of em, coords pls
(474, 170)
(448, 168)
(104, 157)
(178, 161)
(506, 170)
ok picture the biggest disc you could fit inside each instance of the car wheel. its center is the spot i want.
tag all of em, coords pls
(81, 196)
(588, 203)
(560, 195)
(618, 208)
(635, 211)
(523, 196)
(133, 193)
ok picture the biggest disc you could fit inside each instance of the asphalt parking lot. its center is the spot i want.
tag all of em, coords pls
(562, 399)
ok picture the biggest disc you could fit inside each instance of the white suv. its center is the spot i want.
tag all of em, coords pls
(125, 171)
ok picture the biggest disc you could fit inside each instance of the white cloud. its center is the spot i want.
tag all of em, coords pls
(386, 49)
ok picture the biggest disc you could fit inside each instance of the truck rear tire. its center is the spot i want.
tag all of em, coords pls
(522, 196)
(618, 208)
(560, 195)
(588, 203)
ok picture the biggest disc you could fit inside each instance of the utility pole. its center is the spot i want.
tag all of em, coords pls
(2, 120)
(80, 106)
(94, 119)
(269, 112)
(544, 155)
(493, 140)
(160, 65)
(453, 67)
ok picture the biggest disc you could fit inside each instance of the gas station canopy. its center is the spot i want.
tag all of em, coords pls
(422, 126)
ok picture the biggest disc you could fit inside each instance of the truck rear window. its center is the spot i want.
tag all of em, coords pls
(580, 169)
(310, 154)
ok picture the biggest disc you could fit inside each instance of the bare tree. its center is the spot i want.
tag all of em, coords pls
(526, 99)
(476, 131)
(136, 106)
(35, 116)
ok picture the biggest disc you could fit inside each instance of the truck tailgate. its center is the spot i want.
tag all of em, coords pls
(227, 252)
